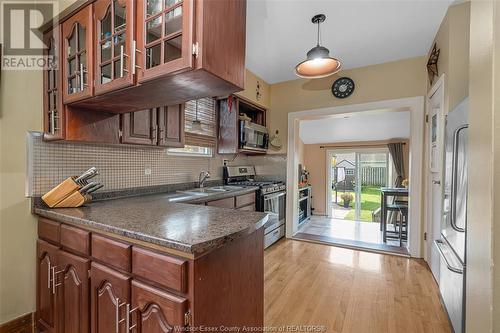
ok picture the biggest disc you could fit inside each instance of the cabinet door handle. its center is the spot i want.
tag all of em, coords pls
(134, 57)
(161, 135)
(154, 133)
(81, 77)
(118, 305)
(48, 276)
(127, 321)
(82, 74)
(121, 60)
(117, 315)
(52, 122)
(54, 279)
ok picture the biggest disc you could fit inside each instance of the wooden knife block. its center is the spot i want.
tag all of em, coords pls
(64, 195)
(75, 199)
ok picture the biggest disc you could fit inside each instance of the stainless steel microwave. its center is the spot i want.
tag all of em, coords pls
(253, 136)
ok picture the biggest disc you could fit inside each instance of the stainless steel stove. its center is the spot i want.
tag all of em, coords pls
(271, 199)
(265, 186)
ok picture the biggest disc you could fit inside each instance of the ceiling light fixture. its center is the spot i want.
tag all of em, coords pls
(318, 63)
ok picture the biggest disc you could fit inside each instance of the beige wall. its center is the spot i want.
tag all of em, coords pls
(392, 80)
(250, 91)
(20, 111)
(452, 39)
(315, 161)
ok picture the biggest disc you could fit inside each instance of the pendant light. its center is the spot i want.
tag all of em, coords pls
(318, 63)
(196, 124)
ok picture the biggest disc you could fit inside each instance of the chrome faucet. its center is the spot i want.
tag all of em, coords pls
(204, 175)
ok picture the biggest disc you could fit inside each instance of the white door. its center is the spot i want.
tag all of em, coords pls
(435, 128)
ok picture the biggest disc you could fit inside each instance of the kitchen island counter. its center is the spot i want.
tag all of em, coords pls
(189, 229)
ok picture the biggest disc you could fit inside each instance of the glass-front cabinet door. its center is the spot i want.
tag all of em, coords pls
(164, 37)
(53, 110)
(78, 56)
(114, 39)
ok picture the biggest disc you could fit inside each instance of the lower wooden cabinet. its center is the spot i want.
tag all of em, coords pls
(72, 290)
(77, 295)
(62, 290)
(110, 293)
(46, 298)
(240, 202)
(78, 291)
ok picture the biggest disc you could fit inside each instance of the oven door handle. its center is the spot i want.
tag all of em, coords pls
(274, 195)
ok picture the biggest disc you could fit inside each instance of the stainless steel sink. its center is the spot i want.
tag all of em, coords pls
(181, 196)
(213, 189)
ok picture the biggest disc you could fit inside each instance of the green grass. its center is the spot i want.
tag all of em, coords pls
(370, 201)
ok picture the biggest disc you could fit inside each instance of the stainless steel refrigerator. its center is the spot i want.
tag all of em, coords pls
(451, 246)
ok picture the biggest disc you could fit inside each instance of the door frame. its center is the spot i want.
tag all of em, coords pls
(416, 107)
(437, 88)
(356, 150)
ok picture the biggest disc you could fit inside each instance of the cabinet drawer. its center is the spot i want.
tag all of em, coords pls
(223, 203)
(75, 239)
(49, 230)
(245, 199)
(111, 252)
(160, 268)
(250, 207)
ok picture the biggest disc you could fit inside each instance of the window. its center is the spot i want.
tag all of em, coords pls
(200, 123)
(191, 151)
(349, 172)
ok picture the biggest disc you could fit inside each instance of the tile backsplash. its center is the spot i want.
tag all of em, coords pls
(122, 167)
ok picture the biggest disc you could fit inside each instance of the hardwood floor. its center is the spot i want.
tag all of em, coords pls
(349, 291)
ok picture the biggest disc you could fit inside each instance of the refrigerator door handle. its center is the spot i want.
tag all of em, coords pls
(440, 244)
(454, 168)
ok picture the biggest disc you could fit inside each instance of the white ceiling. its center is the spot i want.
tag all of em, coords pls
(358, 32)
(364, 126)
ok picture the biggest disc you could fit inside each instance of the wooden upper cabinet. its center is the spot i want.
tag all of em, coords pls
(114, 41)
(109, 293)
(157, 310)
(53, 110)
(47, 314)
(164, 37)
(122, 56)
(73, 293)
(171, 126)
(78, 60)
(163, 126)
(140, 127)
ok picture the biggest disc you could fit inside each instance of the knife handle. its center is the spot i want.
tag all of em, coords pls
(90, 173)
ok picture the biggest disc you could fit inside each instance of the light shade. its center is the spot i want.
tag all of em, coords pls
(318, 64)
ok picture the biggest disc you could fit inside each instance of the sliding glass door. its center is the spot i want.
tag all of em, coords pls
(356, 178)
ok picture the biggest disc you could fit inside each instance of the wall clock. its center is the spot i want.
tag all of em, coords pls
(343, 87)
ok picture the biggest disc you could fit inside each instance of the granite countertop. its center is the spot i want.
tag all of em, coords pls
(156, 219)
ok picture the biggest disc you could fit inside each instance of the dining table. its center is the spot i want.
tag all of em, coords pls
(386, 192)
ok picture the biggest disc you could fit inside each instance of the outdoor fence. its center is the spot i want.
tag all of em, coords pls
(370, 176)
(373, 176)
